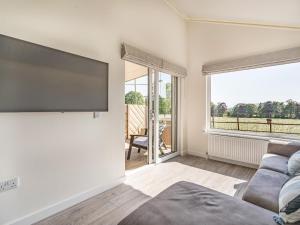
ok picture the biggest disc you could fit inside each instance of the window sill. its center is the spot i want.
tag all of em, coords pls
(250, 135)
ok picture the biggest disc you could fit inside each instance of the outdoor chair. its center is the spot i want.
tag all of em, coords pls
(140, 141)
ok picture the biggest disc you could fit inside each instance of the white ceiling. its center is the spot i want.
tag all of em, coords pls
(264, 12)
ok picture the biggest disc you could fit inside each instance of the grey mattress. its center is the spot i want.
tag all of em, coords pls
(186, 203)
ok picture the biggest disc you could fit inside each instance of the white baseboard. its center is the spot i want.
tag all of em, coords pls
(183, 152)
(206, 156)
(234, 162)
(197, 153)
(64, 204)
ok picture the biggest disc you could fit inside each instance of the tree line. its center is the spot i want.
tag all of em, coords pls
(136, 98)
(270, 109)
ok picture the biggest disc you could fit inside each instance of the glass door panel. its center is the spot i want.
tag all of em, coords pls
(167, 114)
(136, 116)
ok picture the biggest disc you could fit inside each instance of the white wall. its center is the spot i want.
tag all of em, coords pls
(59, 155)
(209, 42)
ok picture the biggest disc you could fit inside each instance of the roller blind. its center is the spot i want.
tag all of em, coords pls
(138, 56)
(285, 56)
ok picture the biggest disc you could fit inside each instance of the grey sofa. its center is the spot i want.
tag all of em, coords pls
(186, 203)
(264, 187)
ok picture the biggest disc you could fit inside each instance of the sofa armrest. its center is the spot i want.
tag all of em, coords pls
(285, 148)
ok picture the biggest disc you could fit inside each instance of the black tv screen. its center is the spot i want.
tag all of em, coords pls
(34, 78)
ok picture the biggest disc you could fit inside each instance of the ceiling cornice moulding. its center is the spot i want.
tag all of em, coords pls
(172, 5)
(244, 23)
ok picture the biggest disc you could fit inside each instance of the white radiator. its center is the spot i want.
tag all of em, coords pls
(238, 149)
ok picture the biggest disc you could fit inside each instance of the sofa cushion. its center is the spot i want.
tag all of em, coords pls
(285, 148)
(294, 164)
(275, 162)
(264, 188)
(289, 201)
(186, 203)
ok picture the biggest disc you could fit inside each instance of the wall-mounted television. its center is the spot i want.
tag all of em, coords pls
(34, 78)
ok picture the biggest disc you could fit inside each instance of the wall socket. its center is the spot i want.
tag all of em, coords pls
(9, 184)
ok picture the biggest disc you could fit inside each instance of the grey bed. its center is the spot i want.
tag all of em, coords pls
(186, 203)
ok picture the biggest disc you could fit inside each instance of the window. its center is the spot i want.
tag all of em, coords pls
(264, 100)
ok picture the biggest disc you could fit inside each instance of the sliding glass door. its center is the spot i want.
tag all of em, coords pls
(150, 116)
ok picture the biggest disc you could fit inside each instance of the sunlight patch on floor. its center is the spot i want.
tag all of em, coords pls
(151, 181)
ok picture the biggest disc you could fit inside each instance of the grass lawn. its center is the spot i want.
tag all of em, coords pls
(277, 125)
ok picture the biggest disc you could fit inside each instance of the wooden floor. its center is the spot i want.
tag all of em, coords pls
(112, 206)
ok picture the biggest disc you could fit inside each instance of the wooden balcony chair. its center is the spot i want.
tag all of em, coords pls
(140, 141)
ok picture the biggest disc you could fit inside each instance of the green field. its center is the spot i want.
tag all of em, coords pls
(248, 124)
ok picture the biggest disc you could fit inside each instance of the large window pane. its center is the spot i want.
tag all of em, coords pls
(265, 100)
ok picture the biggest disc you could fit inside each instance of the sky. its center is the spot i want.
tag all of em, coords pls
(276, 83)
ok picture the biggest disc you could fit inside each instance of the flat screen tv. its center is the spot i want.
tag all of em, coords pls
(34, 78)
